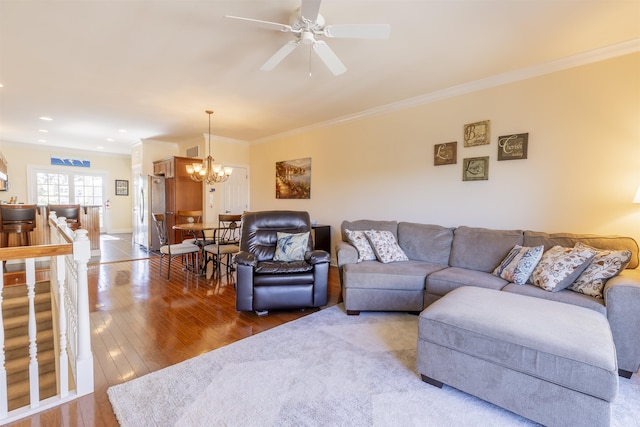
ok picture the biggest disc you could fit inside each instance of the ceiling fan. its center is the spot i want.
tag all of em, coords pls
(307, 25)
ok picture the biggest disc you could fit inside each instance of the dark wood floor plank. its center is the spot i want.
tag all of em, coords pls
(142, 322)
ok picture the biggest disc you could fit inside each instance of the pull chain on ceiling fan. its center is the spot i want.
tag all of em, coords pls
(306, 24)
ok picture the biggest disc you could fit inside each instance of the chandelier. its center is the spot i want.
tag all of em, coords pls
(207, 171)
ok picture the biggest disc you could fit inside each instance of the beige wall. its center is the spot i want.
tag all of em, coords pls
(19, 157)
(582, 171)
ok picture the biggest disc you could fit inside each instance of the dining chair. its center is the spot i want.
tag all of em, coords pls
(187, 217)
(173, 250)
(226, 242)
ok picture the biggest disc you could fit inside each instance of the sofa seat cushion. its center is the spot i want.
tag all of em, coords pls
(443, 281)
(565, 296)
(560, 343)
(405, 275)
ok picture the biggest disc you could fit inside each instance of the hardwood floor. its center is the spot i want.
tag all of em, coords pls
(142, 322)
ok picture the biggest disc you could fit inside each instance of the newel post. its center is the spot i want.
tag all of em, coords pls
(84, 363)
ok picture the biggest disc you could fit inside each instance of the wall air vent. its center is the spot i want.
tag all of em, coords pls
(193, 151)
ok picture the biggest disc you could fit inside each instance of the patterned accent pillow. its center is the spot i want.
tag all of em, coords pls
(385, 246)
(518, 265)
(291, 247)
(359, 240)
(559, 267)
(603, 266)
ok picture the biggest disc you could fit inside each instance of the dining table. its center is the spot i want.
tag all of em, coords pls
(199, 230)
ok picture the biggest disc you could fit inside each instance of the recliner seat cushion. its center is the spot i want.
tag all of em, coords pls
(283, 267)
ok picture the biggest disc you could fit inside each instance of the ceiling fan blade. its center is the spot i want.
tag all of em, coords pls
(310, 9)
(358, 31)
(279, 55)
(329, 58)
(264, 24)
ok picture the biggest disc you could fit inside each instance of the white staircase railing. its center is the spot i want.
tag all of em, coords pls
(68, 255)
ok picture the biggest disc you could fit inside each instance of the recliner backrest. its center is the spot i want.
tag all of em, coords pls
(259, 231)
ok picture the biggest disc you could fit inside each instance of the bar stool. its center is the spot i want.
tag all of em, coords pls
(19, 220)
(70, 212)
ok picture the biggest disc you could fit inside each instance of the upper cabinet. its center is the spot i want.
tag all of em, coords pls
(164, 167)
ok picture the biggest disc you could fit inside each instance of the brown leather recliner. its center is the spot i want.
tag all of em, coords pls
(264, 284)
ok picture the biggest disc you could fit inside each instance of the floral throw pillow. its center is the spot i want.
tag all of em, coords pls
(605, 265)
(359, 240)
(560, 266)
(385, 246)
(291, 247)
(518, 265)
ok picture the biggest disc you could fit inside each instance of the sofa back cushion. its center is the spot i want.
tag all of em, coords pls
(367, 224)
(482, 249)
(425, 242)
(568, 240)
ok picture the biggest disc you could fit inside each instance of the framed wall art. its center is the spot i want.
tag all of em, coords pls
(513, 147)
(475, 169)
(122, 187)
(293, 179)
(477, 133)
(445, 154)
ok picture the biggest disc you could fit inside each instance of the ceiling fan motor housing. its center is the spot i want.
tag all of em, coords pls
(300, 24)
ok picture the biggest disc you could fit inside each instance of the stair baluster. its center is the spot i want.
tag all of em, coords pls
(4, 403)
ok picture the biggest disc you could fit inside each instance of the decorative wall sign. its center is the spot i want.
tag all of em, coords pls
(122, 187)
(68, 161)
(293, 179)
(513, 147)
(475, 169)
(477, 133)
(445, 154)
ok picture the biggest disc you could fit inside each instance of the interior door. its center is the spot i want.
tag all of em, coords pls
(235, 192)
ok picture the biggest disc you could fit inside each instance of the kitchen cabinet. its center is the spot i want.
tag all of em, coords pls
(181, 192)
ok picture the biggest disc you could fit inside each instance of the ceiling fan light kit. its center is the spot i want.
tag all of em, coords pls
(306, 24)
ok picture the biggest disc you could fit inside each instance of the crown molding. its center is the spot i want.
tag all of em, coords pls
(592, 56)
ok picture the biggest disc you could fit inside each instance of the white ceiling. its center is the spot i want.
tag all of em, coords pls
(152, 67)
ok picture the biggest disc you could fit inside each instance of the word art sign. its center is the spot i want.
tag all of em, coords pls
(513, 147)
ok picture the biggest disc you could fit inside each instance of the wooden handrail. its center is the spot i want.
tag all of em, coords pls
(22, 252)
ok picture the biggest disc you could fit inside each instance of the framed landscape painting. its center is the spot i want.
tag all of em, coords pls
(293, 179)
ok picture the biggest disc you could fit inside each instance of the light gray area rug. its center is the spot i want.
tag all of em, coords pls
(326, 369)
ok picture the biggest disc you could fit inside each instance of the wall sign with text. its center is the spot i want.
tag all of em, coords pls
(513, 147)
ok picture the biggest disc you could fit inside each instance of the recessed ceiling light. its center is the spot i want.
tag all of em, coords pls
(42, 140)
(110, 139)
(43, 130)
(122, 131)
(46, 118)
(100, 147)
(1, 85)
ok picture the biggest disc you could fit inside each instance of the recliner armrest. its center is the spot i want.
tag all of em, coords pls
(317, 256)
(246, 258)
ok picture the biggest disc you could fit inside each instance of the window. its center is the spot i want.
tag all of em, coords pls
(69, 187)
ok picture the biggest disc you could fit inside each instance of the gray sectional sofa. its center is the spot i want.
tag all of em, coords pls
(442, 259)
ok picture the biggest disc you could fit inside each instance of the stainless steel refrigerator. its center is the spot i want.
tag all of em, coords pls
(149, 199)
